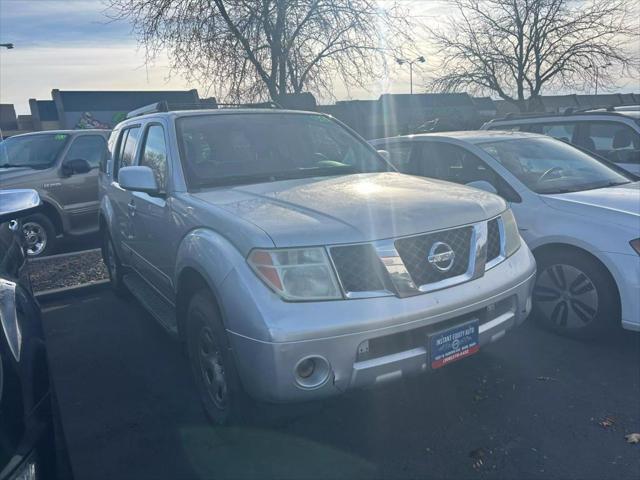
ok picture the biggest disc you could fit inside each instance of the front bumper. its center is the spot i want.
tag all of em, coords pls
(369, 341)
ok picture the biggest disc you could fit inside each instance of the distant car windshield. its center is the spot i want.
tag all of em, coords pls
(231, 149)
(547, 165)
(32, 151)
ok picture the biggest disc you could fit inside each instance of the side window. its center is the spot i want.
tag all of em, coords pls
(154, 154)
(561, 131)
(92, 148)
(455, 164)
(400, 155)
(127, 150)
(615, 141)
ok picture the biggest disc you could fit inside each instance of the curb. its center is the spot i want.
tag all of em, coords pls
(62, 255)
(64, 292)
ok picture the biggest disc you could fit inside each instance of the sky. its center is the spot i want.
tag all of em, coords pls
(72, 45)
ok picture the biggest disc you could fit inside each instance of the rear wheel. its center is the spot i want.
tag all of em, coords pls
(212, 363)
(574, 294)
(39, 234)
(114, 267)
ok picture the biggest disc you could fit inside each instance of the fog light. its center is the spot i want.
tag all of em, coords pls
(312, 372)
(306, 368)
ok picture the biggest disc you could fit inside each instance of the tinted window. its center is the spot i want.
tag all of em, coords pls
(615, 141)
(251, 148)
(561, 131)
(92, 148)
(399, 155)
(154, 154)
(33, 151)
(454, 164)
(546, 165)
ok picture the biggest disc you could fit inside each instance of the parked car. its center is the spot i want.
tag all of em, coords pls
(293, 263)
(27, 433)
(614, 134)
(579, 215)
(62, 166)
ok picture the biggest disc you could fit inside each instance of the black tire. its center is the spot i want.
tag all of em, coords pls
(574, 295)
(114, 266)
(40, 235)
(212, 364)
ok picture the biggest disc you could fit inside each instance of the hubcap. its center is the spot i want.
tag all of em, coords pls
(211, 369)
(35, 237)
(566, 296)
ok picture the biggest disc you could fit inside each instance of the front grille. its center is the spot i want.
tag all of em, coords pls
(493, 240)
(415, 250)
(418, 337)
(359, 268)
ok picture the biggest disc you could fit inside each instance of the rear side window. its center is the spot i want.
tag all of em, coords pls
(561, 131)
(614, 141)
(400, 155)
(92, 148)
(154, 154)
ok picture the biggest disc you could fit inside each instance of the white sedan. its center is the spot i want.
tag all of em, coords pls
(579, 216)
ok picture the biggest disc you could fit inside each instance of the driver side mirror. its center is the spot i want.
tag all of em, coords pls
(483, 185)
(138, 179)
(75, 166)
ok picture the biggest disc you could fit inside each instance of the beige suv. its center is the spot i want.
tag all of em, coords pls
(62, 165)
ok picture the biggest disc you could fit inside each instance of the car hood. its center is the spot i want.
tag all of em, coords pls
(353, 208)
(620, 204)
(15, 175)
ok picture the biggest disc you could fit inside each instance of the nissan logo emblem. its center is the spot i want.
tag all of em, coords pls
(441, 256)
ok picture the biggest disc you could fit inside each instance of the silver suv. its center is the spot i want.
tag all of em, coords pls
(294, 263)
(62, 166)
(613, 133)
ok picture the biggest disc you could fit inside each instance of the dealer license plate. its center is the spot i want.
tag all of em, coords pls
(453, 344)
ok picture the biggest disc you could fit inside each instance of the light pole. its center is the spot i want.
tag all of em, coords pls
(402, 61)
(8, 46)
(596, 70)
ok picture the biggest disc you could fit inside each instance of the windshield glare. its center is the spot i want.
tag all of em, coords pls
(252, 148)
(33, 151)
(546, 165)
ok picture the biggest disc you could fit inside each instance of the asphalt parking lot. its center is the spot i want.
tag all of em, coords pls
(531, 406)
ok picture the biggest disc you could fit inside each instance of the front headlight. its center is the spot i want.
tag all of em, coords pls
(511, 234)
(297, 274)
(635, 244)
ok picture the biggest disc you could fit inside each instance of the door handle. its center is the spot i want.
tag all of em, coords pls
(132, 208)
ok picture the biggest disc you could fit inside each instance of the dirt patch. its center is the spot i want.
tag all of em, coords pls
(67, 270)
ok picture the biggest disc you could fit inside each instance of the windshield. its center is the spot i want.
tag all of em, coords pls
(546, 165)
(253, 148)
(33, 151)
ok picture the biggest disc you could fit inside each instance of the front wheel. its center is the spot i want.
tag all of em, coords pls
(39, 235)
(574, 295)
(212, 364)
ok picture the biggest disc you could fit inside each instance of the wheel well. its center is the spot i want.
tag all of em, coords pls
(543, 249)
(53, 215)
(189, 282)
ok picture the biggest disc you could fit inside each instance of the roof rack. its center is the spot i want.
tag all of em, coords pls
(151, 108)
(608, 110)
(164, 106)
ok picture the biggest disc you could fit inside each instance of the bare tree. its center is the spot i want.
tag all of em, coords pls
(255, 49)
(515, 48)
